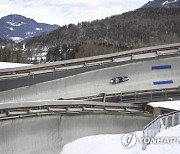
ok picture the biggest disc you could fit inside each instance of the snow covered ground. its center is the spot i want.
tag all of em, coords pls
(4, 65)
(16, 39)
(167, 104)
(112, 144)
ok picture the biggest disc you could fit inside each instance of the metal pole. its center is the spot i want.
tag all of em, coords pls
(166, 121)
(104, 97)
(173, 116)
(151, 96)
(178, 117)
(144, 135)
(121, 97)
(157, 126)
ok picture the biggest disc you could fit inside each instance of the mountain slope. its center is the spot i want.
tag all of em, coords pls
(4, 40)
(18, 28)
(163, 4)
(142, 27)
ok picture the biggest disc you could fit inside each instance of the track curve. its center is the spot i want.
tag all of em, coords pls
(48, 134)
(141, 77)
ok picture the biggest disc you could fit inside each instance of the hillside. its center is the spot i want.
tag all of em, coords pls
(4, 40)
(139, 28)
(18, 28)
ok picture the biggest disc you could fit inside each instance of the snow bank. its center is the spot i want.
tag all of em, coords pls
(172, 148)
(111, 144)
(4, 65)
(175, 105)
(100, 144)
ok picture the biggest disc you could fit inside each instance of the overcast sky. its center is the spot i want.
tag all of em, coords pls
(63, 12)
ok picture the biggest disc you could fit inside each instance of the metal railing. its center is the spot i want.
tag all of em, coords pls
(27, 109)
(161, 122)
(133, 54)
(141, 96)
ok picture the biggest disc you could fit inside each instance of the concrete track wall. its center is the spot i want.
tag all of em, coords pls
(48, 134)
(141, 77)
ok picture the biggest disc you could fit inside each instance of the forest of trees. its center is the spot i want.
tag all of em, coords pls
(14, 53)
(64, 52)
(135, 29)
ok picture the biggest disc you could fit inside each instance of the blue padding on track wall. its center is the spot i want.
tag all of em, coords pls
(163, 82)
(161, 67)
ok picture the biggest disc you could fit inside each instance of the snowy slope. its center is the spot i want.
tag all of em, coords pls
(18, 28)
(162, 4)
(111, 144)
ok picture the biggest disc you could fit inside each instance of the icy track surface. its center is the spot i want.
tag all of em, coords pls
(111, 144)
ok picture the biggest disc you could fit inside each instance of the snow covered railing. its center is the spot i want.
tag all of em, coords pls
(161, 122)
